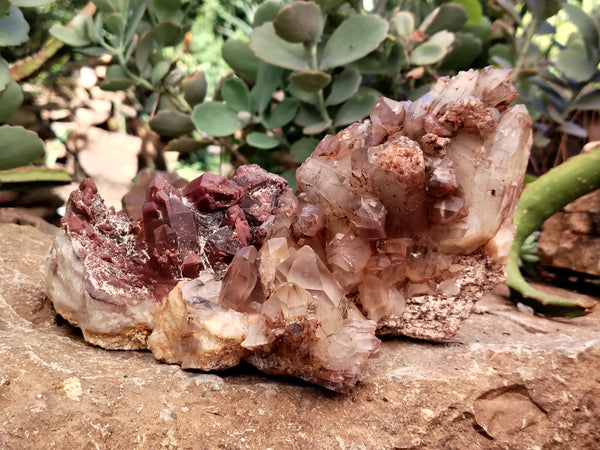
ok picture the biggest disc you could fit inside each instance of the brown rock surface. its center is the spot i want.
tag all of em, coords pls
(506, 380)
(571, 237)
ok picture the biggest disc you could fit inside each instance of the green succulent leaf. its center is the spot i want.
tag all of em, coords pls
(240, 58)
(116, 79)
(575, 63)
(68, 35)
(302, 148)
(4, 74)
(499, 53)
(282, 114)
(589, 101)
(344, 86)
(465, 50)
(542, 9)
(262, 140)
(310, 80)
(171, 123)
(114, 23)
(449, 16)
(105, 6)
(216, 119)
(185, 145)
(353, 39)
(25, 177)
(327, 5)
(266, 12)
(19, 147)
(574, 129)
(473, 10)
(11, 99)
(267, 81)
(159, 71)
(432, 51)
(317, 127)
(403, 24)
(14, 29)
(143, 51)
(30, 3)
(587, 26)
(290, 176)
(194, 88)
(301, 94)
(269, 47)
(300, 22)
(4, 8)
(167, 9)
(236, 95)
(167, 34)
(482, 30)
(356, 108)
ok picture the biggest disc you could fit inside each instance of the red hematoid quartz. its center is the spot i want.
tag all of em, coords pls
(402, 223)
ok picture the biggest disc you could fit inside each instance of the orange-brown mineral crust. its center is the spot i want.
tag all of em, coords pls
(401, 224)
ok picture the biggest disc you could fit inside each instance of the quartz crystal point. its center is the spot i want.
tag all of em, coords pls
(401, 224)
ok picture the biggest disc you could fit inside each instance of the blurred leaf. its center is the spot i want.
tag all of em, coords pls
(310, 80)
(290, 176)
(261, 140)
(403, 24)
(353, 39)
(267, 81)
(502, 51)
(160, 71)
(4, 8)
(171, 123)
(282, 114)
(114, 23)
(105, 6)
(590, 101)
(185, 145)
(357, 108)
(269, 47)
(449, 16)
(166, 9)
(302, 148)
(236, 95)
(167, 34)
(344, 86)
(574, 129)
(307, 115)
(301, 94)
(482, 30)
(216, 119)
(4, 74)
(587, 25)
(240, 58)
(574, 62)
(30, 3)
(326, 5)
(143, 50)
(11, 99)
(509, 7)
(68, 36)
(372, 64)
(473, 10)
(432, 51)
(14, 29)
(300, 22)
(542, 9)
(194, 88)
(465, 50)
(22, 177)
(19, 147)
(116, 79)
(266, 12)
(317, 127)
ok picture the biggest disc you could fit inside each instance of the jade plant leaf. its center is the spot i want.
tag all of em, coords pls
(159, 71)
(586, 25)
(344, 86)
(185, 145)
(26, 177)
(301, 94)
(473, 10)
(114, 23)
(216, 119)
(282, 114)
(574, 62)
(68, 36)
(171, 123)
(266, 12)
(317, 127)
(403, 23)
(433, 50)
(240, 58)
(310, 80)
(4, 74)
(116, 79)
(353, 39)
(590, 101)
(542, 9)
(302, 148)
(236, 95)
(4, 8)
(19, 147)
(465, 50)
(449, 16)
(300, 22)
(326, 5)
(194, 88)
(356, 108)
(267, 81)
(262, 140)
(269, 47)
(14, 29)
(167, 34)
(30, 3)
(11, 99)
(167, 9)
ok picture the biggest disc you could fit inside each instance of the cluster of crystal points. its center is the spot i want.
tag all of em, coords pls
(400, 226)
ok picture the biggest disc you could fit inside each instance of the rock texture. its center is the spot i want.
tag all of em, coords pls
(507, 380)
(571, 237)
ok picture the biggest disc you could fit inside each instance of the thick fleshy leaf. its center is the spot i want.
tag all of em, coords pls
(465, 50)
(473, 10)
(574, 129)
(143, 50)
(290, 176)
(27, 177)
(542, 9)
(353, 39)
(499, 53)
(282, 114)
(344, 86)
(194, 88)
(403, 23)
(216, 119)
(159, 71)
(19, 147)
(590, 101)
(114, 23)
(587, 26)
(11, 99)
(574, 62)
(269, 47)
(240, 58)
(167, 34)
(14, 29)
(167, 9)
(302, 148)
(171, 123)
(509, 7)
(301, 94)
(68, 36)
(4, 74)
(30, 3)
(266, 12)
(326, 5)
(449, 16)
(432, 51)
(267, 81)
(185, 145)
(262, 140)
(116, 79)
(317, 128)
(4, 8)
(310, 80)
(357, 108)
(482, 30)
(236, 95)
(307, 115)
(105, 6)
(300, 22)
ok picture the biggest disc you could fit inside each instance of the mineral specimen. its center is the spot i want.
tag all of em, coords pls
(400, 225)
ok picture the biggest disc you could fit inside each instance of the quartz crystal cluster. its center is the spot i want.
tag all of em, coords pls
(400, 225)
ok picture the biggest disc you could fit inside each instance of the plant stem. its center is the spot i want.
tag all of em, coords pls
(311, 53)
(528, 36)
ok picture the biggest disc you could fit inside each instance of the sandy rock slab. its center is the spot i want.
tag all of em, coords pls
(506, 380)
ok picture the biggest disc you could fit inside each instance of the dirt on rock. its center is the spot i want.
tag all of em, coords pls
(507, 380)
